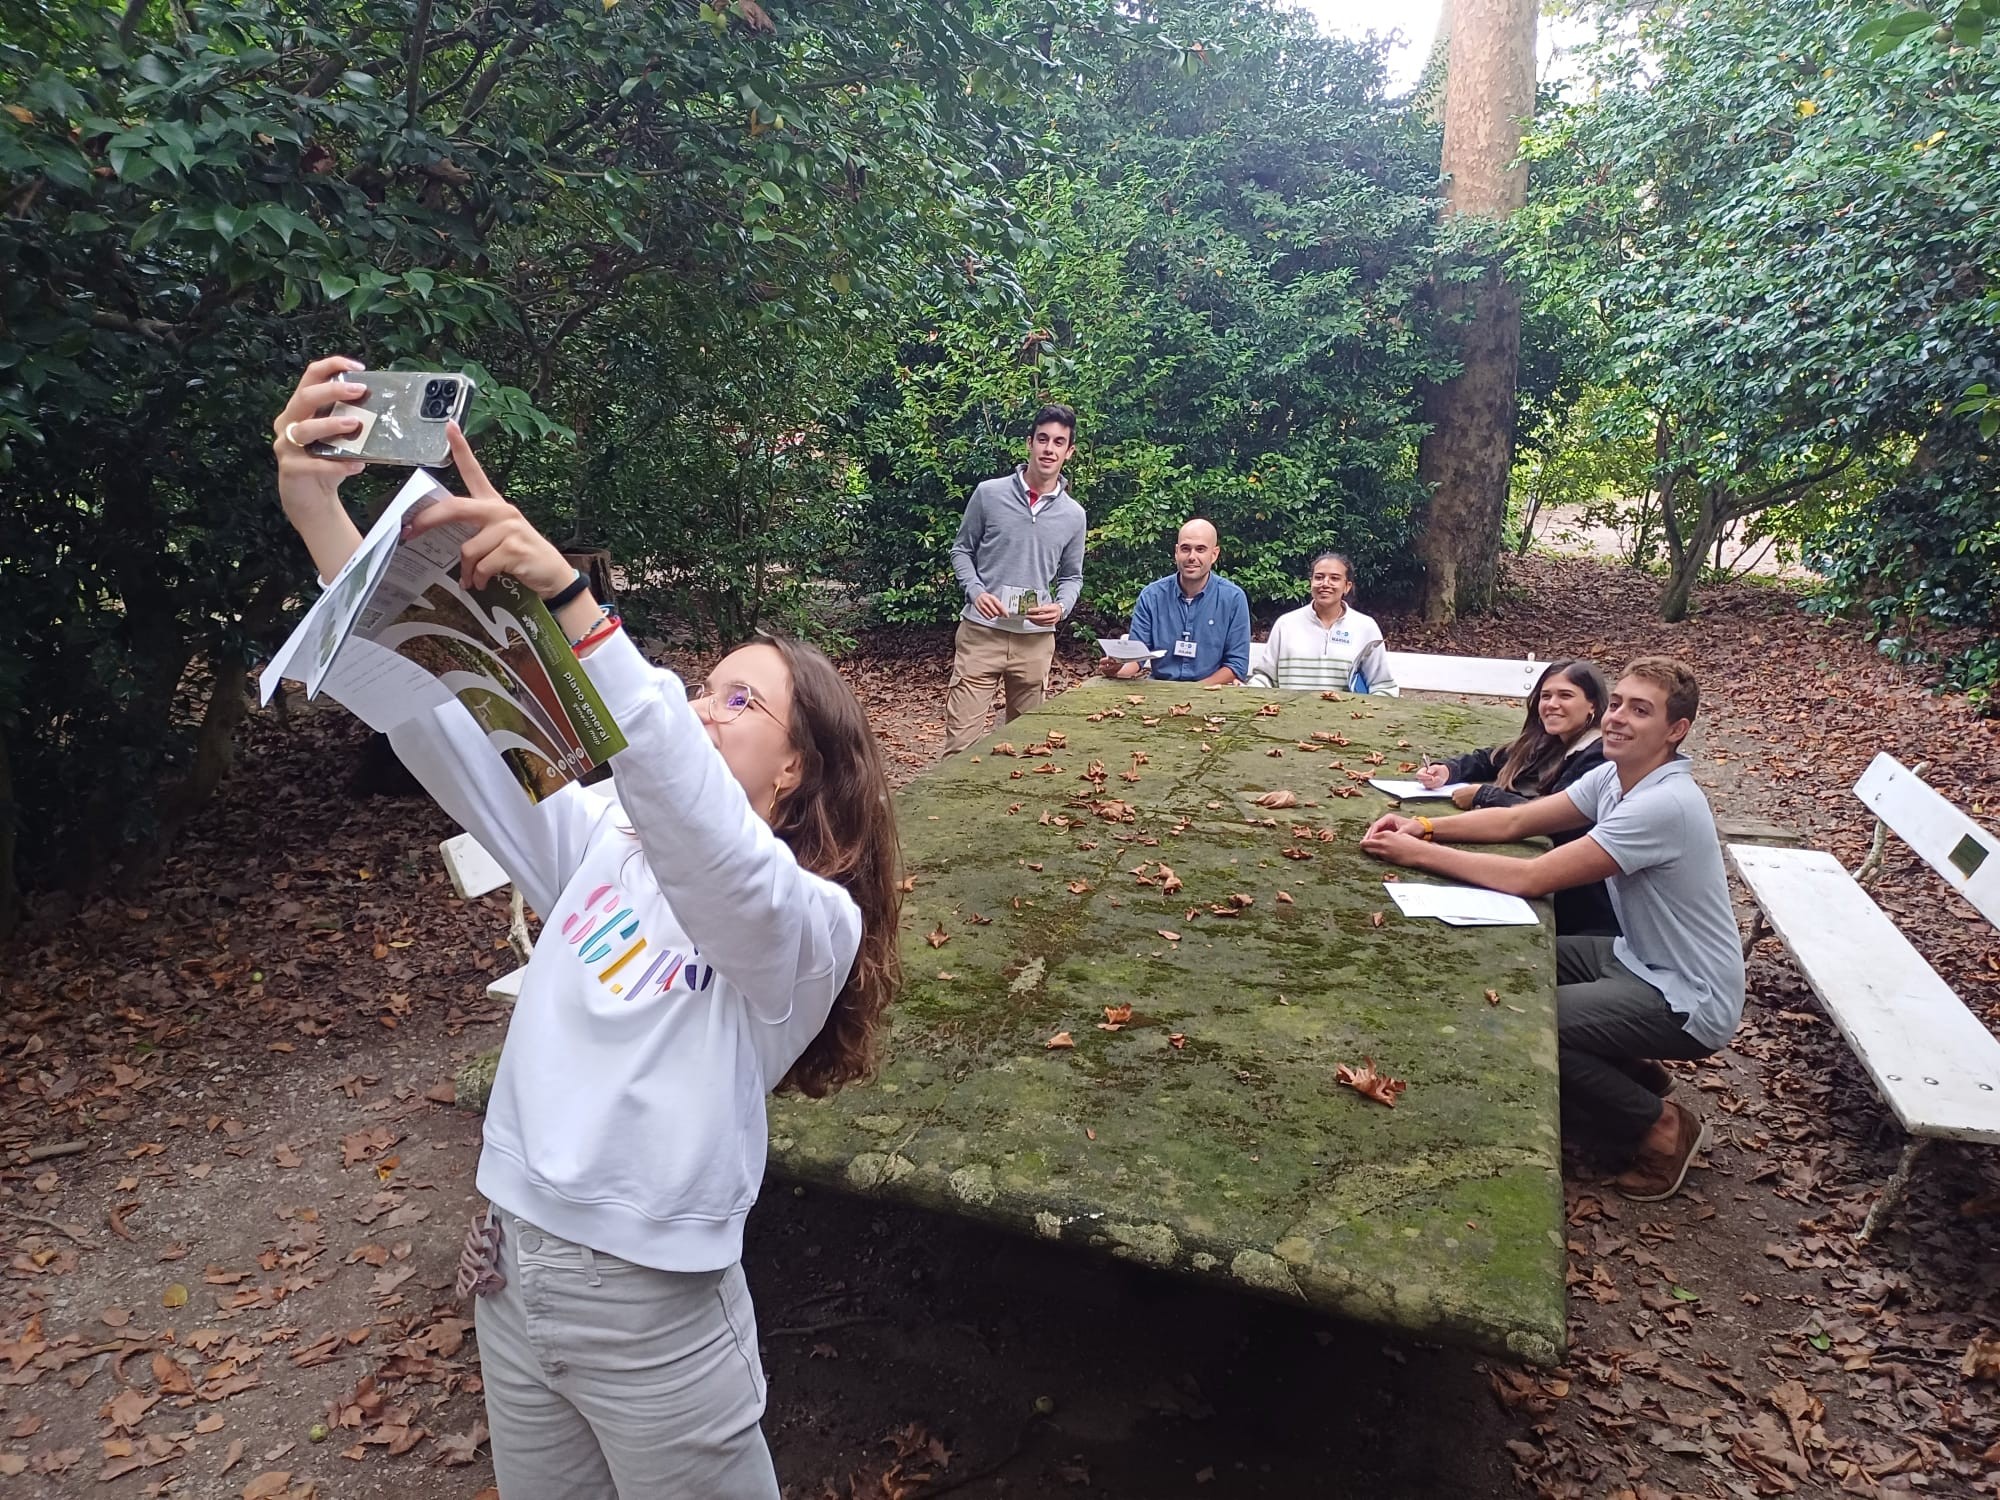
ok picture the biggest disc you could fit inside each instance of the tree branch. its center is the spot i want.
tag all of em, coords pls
(152, 328)
(128, 23)
(419, 39)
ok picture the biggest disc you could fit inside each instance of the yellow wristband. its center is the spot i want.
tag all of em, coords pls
(1429, 830)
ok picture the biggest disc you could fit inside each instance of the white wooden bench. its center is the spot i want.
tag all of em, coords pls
(1931, 1059)
(1484, 676)
(474, 873)
(1419, 672)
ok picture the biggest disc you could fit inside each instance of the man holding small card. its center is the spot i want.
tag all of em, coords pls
(1019, 558)
(1194, 623)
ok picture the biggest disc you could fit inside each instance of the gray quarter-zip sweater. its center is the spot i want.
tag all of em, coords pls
(1001, 545)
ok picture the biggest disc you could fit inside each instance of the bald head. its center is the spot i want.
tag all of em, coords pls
(1195, 551)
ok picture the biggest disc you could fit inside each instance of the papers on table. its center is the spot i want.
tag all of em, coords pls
(1412, 791)
(1460, 905)
(1123, 649)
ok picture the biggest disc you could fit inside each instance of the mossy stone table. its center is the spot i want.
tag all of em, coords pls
(1206, 1134)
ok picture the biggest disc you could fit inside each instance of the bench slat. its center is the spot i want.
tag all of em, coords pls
(1931, 1059)
(1963, 853)
(1487, 676)
(473, 872)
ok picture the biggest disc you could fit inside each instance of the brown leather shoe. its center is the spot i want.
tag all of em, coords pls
(1657, 1175)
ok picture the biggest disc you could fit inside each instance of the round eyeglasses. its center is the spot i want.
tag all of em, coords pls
(727, 703)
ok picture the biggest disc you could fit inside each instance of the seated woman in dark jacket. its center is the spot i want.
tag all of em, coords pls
(1558, 744)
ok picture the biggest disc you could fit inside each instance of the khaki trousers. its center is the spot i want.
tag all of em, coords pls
(985, 660)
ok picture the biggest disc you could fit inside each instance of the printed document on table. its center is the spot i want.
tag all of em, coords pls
(1460, 905)
(1127, 650)
(1413, 791)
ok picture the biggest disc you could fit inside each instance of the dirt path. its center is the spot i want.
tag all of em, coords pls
(251, 1054)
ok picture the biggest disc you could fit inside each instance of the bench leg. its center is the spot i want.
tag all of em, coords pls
(1758, 929)
(1893, 1189)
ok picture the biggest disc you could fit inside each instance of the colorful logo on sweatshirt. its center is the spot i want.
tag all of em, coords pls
(605, 934)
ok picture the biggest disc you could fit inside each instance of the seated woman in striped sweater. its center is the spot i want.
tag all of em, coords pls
(1327, 644)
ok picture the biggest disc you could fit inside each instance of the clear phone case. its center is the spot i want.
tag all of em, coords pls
(402, 417)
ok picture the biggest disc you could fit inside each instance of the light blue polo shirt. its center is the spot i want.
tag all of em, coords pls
(1217, 620)
(1671, 893)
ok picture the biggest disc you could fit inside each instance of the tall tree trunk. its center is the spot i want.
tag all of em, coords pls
(1465, 459)
(1691, 552)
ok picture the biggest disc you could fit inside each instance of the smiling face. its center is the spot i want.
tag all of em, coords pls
(1637, 729)
(747, 710)
(1195, 552)
(1048, 450)
(1330, 584)
(1565, 708)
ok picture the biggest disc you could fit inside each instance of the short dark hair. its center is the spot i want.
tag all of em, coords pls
(1675, 678)
(1056, 412)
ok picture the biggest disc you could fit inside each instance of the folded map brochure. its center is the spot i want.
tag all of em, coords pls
(396, 634)
(1127, 650)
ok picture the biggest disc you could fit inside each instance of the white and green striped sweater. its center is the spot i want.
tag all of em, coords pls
(1303, 653)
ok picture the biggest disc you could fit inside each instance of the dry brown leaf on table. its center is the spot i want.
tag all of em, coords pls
(1035, 865)
(1376, 919)
(1280, 798)
(1170, 936)
(1292, 853)
(1005, 747)
(1982, 1358)
(1169, 881)
(937, 937)
(1055, 739)
(1275, 754)
(1059, 1040)
(977, 920)
(1177, 1040)
(1239, 900)
(1492, 997)
(1284, 898)
(1114, 811)
(1141, 758)
(1118, 1015)
(1370, 1084)
(1180, 710)
(1268, 711)
(1135, 699)
(1329, 697)
(1093, 772)
(1078, 887)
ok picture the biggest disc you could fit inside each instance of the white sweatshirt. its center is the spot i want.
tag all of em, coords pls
(1302, 653)
(681, 971)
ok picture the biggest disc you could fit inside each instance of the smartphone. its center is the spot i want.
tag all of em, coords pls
(402, 417)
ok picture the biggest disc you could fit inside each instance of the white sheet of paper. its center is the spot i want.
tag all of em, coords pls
(381, 688)
(1127, 650)
(1412, 791)
(1460, 905)
(310, 649)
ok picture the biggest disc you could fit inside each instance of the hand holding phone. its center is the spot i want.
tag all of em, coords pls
(403, 417)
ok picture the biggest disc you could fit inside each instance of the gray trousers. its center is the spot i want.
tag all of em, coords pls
(1607, 1018)
(610, 1381)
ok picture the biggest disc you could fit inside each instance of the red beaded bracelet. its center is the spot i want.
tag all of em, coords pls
(599, 632)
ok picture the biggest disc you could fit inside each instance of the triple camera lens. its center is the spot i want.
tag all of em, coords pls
(438, 395)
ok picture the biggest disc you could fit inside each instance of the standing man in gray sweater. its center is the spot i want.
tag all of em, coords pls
(1019, 558)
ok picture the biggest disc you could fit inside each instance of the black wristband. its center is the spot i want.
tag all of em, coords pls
(576, 586)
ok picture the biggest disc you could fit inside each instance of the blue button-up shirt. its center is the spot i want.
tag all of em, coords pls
(1217, 620)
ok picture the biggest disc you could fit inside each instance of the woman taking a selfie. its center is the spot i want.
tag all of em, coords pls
(746, 833)
(1558, 743)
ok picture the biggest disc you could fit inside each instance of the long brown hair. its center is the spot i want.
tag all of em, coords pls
(1533, 760)
(840, 824)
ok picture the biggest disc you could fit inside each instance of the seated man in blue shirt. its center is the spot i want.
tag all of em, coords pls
(1200, 620)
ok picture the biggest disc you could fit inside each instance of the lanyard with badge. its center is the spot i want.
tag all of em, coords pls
(1185, 646)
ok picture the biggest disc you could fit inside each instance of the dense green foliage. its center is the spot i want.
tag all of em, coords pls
(1227, 282)
(1784, 236)
(194, 198)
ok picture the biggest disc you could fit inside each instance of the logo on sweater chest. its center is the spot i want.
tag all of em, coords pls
(605, 934)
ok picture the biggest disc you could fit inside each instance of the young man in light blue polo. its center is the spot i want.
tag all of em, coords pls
(1198, 618)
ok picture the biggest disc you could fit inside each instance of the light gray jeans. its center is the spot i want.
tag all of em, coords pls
(610, 1381)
